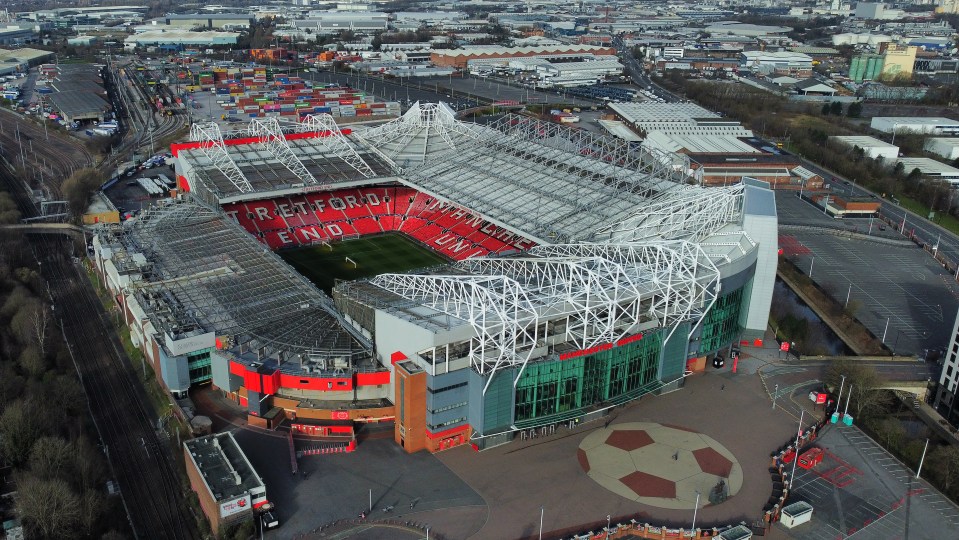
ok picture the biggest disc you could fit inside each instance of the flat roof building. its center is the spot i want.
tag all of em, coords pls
(460, 57)
(226, 21)
(18, 60)
(677, 119)
(947, 147)
(871, 146)
(931, 168)
(780, 62)
(228, 487)
(179, 38)
(935, 125)
(699, 144)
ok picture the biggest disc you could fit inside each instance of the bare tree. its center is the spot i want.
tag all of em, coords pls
(944, 461)
(51, 457)
(48, 508)
(20, 426)
(868, 397)
(40, 319)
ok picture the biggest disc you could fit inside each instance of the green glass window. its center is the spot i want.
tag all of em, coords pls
(562, 387)
(722, 322)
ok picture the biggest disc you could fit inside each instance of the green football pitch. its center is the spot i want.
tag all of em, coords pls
(373, 255)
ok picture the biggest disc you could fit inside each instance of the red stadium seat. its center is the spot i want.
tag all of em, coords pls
(301, 220)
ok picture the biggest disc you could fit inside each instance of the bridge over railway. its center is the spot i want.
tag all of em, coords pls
(48, 228)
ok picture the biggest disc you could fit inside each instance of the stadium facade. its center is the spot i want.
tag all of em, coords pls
(584, 273)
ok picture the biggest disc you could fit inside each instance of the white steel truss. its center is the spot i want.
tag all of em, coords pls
(334, 140)
(642, 170)
(497, 307)
(423, 120)
(596, 293)
(268, 130)
(212, 146)
(690, 213)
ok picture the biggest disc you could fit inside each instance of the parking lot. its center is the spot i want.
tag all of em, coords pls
(895, 288)
(861, 491)
(127, 194)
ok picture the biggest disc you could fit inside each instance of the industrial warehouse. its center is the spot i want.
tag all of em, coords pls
(570, 273)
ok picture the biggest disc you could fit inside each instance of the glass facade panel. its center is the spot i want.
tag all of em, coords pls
(566, 386)
(722, 322)
(200, 366)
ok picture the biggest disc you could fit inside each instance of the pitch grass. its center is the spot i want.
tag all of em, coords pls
(374, 255)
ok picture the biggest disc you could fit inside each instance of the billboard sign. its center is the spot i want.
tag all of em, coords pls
(235, 506)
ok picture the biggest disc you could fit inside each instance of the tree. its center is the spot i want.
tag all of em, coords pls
(51, 457)
(79, 187)
(862, 382)
(32, 362)
(944, 464)
(825, 109)
(892, 432)
(40, 322)
(8, 209)
(21, 424)
(854, 110)
(47, 508)
(835, 108)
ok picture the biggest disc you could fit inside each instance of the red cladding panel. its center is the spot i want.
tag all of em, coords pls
(447, 433)
(373, 379)
(397, 357)
(251, 380)
(303, 382)
(237, 369)
(271, 383)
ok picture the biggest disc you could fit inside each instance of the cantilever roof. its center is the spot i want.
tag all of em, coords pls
(215, 271)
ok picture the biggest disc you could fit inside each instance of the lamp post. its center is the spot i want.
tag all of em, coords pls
(695, 510)
(921, 459)
(541, 509)
(607, 525)
(792, 475)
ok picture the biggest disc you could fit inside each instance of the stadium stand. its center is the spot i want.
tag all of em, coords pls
(303, 220)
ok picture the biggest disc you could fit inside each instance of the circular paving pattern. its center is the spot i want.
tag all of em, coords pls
(660, 465)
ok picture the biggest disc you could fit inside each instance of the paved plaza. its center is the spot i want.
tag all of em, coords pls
(660, 465)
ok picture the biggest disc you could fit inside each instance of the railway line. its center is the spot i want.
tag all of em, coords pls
(139, 459)
(47, 157)
(124, 417)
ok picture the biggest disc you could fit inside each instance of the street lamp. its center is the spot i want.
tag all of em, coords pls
(607, 525)
(695, 510)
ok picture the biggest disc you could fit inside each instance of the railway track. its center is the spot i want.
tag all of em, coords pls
(123, 414)
(47, 157)
(124, 417)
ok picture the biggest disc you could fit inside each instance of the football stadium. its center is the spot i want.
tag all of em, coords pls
(465, 281)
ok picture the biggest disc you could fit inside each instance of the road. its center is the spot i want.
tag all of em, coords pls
(636, 71)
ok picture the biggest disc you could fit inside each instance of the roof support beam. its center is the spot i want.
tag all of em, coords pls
(268, 129)
(333, 139)
(212, 146)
